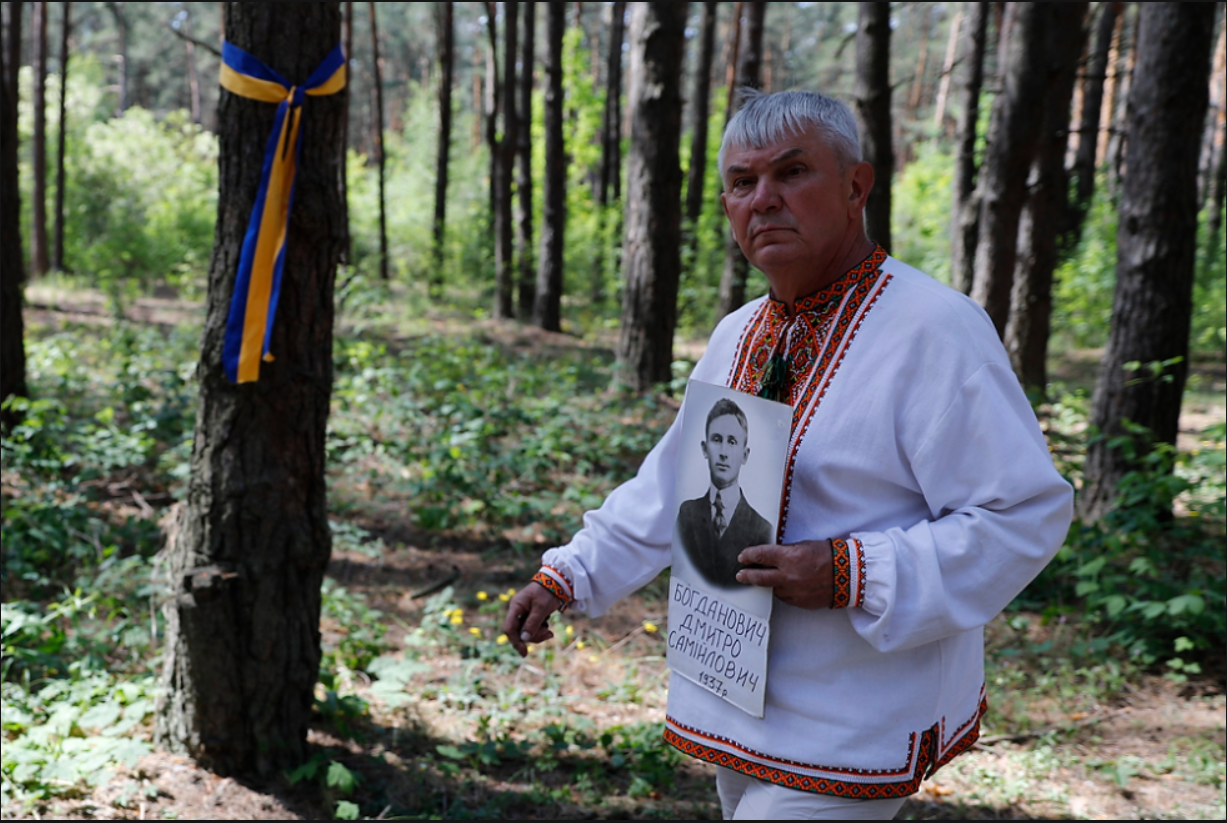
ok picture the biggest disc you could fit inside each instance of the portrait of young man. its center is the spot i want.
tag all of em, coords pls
(919, 494)
(713, 529)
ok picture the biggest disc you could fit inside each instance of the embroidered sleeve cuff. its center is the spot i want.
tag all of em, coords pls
(557, 584)
(848, 561)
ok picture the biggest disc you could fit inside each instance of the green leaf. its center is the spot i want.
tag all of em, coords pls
(1192, 603)
(1115, 604)
(448, 750)
(1184, 644)
(100, 716)
(347, 810)
(341, 778)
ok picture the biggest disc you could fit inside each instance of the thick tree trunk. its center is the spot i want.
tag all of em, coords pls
(1039, 231)
(252, 541)
(524, 167)
(547, 306)
(611, 146)
(965, 207)
(504, 169)
(1092, 106)
(447, 62)
(12, 266)
(652, 229)
(57, 244)
(377, 133)
(1156, 245)
(1013, 138)
(699, 102)
(40, 260)
(749, 64)
(873, 113)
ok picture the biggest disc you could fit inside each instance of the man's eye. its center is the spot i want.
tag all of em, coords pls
(741, 183)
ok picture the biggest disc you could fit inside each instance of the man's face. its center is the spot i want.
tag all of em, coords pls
(725, 449)
(790, 206)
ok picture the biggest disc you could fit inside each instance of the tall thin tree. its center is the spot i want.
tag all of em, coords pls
(873, 95)
(347, 38)
(700, 100)
(377, 135)
(504, 171)
(547, 305)
(965, 207)
(1088, 123)
(524, 167)
(57, 244)
(1013, 139)
(1143, 372)
(749, 68)
(447, 61)
(1043, 217)
(610, 177)
(40, 260)
(251, 542)
(12, 265)
(651, 248)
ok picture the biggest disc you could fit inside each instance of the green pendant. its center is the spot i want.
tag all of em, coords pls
(775, 381)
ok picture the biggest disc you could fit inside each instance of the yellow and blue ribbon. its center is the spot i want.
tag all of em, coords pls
(249, 327)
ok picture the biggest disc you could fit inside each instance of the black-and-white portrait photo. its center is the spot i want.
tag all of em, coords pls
(714, 527)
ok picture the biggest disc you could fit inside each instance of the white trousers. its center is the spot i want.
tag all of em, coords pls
(747, 798)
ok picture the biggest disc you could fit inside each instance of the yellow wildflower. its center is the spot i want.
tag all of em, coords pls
(473, 630)
(580, 644)
(483, 596)
(457, 618)
(592, 658)
(504, 597)
(501, 639)
(570, 630)
(649, 626)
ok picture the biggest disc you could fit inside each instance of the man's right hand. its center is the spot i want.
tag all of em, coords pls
(527, 616)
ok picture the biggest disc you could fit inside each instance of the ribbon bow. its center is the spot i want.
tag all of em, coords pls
(249, 327)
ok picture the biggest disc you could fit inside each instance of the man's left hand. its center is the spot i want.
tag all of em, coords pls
(799, 573)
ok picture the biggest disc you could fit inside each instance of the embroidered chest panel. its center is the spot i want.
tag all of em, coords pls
(814, 340)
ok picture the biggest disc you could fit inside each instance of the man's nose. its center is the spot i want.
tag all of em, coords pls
(766, 195)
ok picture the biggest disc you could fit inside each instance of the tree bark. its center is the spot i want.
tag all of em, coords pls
(193, 84)
(699, 102)
(611, 146)
(1156, 245)
(121, 30)
(1013, 138)
(252, 540)
(965, 207)
(504, 169)
(57, 244)
(873, 113)
(652, 228)
(943, 89)
(347, 36)
(377, 132)
(749, 64)
(39, 258)
(492, 97)
(1088, 125)
(12, 265)
(447, 61)
(1043, 217)
(1118, 136)
(547, 305)
(524, 158)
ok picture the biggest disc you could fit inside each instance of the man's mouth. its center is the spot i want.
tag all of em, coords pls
(765, 229)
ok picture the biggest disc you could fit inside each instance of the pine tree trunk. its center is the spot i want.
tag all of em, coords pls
(252, 540)
(121, 30)
(700, 101)
(1092, 106)
(39, 258)
(12, 267)
(1156, 245)
(1118, 135)
(611, 147)
(943, 89)
(524, 165)
(652, 228)
(57, 244)
(347, 36)
(377, 132)
(504, 169)
(447, 61)
(749, 64)
(1039, 231)
(873, 113)
(965, 207)
(547, 307)
(1013, 138)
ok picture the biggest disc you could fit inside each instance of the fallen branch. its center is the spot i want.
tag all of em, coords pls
(1018, 737)
(209, 47)
(438, 587)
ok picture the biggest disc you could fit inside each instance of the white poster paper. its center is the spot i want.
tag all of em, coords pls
(730, 479)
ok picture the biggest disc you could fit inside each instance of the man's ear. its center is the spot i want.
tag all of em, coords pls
(862, 178)
(703, 446)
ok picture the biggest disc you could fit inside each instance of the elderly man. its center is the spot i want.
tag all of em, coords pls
(919, 495)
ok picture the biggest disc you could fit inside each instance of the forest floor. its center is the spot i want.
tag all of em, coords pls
(454, 725)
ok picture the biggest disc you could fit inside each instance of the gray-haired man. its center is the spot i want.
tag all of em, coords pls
(919, 496)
